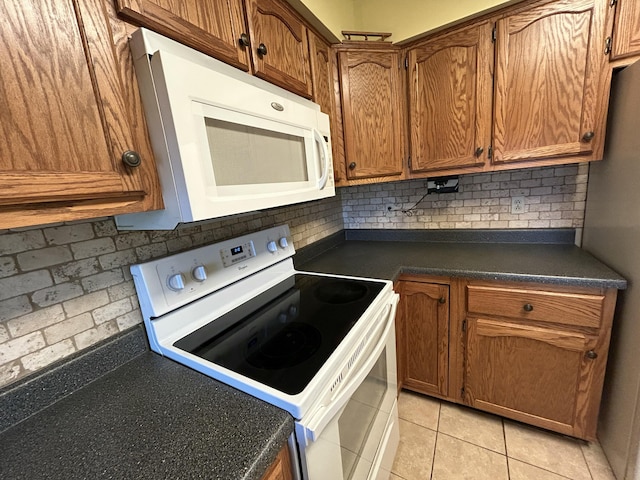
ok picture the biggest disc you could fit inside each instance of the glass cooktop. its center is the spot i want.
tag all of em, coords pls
(282, 337)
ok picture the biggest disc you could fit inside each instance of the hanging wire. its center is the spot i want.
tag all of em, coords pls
(409, 211)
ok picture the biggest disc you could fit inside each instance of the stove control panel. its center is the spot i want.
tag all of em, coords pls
(170, 282)
(199, 273)
(237, 253)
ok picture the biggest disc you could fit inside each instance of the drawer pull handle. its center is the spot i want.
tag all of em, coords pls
(591, 354)
(528, 307)
(442, 300)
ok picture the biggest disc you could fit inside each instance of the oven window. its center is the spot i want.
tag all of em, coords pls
(358, 418)
(244, 155)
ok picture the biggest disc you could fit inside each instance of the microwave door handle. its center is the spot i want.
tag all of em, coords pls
(324, 153)
(326, 413)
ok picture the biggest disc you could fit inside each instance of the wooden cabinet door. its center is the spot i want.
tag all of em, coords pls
(423, 337)
(279, 45)
(549, 63)
(626, 29)
(450, 100)
(280, 469)
(322, 74)
(533, 374)
(372, 113)
(213, 27)
(65, 121)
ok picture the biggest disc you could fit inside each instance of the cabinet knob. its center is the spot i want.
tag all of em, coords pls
(262, 49)
(528, 307)
(131, 158)
(591, 354)
(352, 165)
(244, 40)
(442, 300)
(479, 151)
(588, 136)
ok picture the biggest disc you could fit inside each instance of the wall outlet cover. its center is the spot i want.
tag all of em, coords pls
(517, 205)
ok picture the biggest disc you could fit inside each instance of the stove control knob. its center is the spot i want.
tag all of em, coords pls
(272, 247)
(176, 282)
(283, 242)
(199, 273)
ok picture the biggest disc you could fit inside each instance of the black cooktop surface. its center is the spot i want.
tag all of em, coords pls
(282, 337)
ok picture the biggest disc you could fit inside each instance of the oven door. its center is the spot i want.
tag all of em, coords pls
(355, 435)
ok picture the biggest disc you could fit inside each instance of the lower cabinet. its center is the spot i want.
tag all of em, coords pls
(535, 353)
(280, 469)
(422, 334)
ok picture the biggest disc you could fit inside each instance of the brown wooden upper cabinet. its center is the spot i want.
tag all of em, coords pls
(324, 77)
(272, 42)
(625, 40)
(69, 115)
(548, 103)
(450, 100)
(279, 45)
(215, 27)
(372, 112)
(549, 100)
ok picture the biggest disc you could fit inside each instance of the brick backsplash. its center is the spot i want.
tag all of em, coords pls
(64, 287)
(554, 198)
(67, 286)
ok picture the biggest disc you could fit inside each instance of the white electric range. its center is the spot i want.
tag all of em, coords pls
(321, 347)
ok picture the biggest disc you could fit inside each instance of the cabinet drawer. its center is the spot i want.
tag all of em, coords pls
(545, 306)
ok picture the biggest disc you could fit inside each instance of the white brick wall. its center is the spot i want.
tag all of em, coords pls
(65, 287)
(554, 198)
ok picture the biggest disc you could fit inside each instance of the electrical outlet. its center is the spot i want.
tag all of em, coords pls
(517, 205)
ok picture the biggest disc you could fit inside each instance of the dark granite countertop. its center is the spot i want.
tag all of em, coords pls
(363, 254)
(149, 418)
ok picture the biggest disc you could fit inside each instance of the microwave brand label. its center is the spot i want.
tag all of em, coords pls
(277, 106)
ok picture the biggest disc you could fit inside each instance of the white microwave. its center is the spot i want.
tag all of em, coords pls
(225, 142)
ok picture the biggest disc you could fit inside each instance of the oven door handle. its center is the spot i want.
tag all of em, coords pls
(325, 413)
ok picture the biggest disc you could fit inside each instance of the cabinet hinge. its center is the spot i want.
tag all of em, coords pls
(462, 392)
(490, 152)
(607, 46)
(406, 63)
(612, 3)
(494, 34)
(464, 325)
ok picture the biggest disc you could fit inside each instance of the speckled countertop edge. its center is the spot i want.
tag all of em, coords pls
(555, 262)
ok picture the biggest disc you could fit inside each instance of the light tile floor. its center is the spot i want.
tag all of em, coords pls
(444, 441)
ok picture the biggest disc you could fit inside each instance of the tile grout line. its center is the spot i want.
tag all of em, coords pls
(506, 452)
(586, 462)
(504, 430)
(435, 444)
